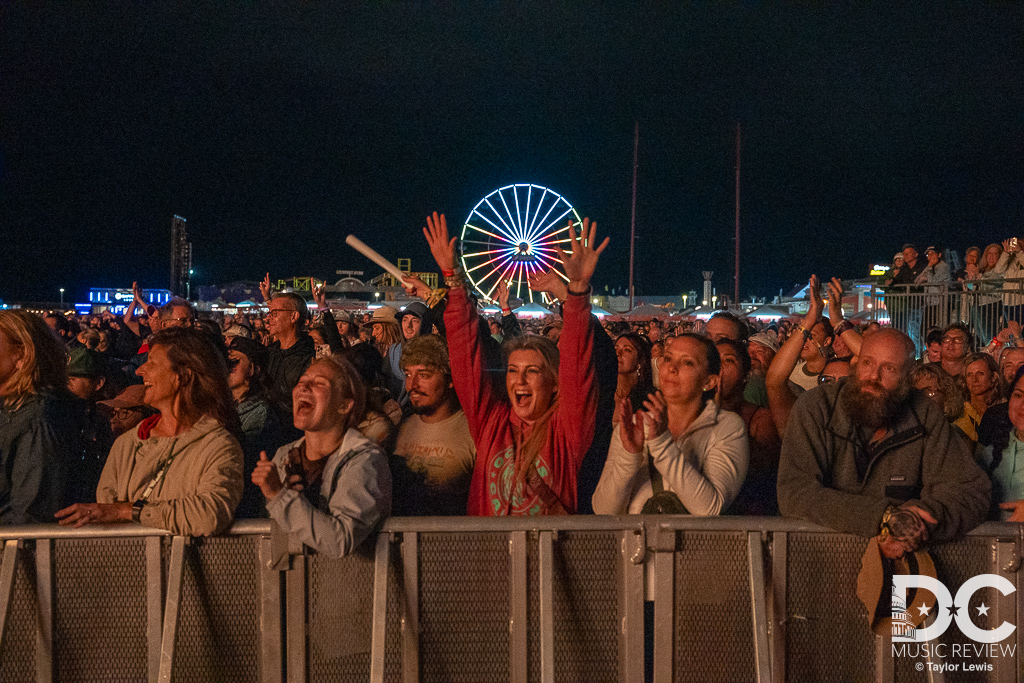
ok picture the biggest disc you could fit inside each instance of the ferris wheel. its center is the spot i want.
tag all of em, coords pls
(511, 234)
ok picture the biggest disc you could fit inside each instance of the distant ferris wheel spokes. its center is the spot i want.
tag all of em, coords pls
(511, 233)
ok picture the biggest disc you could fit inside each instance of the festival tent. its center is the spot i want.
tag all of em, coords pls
(532, 310)
(491, 309)
(646, 312)
(599, 312)
(767, 313)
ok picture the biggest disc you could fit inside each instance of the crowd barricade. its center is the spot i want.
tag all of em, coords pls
(477, 599)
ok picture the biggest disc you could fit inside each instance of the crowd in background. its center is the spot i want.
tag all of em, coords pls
(329, 422)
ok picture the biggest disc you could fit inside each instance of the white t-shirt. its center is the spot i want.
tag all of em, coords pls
(432, 466)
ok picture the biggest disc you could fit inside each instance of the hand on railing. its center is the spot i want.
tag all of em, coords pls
(1018, 510)
(81, 514)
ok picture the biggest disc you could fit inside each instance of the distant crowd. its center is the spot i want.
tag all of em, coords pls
(330, 422)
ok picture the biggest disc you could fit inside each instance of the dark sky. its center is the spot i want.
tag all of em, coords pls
(276, 130)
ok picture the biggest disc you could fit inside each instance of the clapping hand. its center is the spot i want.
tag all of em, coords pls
(816, 304)
(835, 301)
(550, 282)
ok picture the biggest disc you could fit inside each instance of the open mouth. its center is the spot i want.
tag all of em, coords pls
(521, 398)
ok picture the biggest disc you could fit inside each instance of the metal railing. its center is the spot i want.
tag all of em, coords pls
(475, 599)
(983, 305)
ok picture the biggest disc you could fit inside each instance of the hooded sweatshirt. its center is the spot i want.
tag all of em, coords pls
(201, 489)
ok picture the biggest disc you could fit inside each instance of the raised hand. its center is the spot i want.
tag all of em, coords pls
(137, 293)
(442, 248)
(265, 291)
(414, 286)
(503, 293)
(320, 297)
(550, 282)
(631, 427)
(816, 304)
(835, 301)
(580, 264)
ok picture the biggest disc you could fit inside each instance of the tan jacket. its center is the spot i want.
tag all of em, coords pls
(202, 487)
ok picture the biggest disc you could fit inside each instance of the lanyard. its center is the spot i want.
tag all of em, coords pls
(159, 476)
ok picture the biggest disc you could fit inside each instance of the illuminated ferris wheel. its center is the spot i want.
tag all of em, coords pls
(511, 234)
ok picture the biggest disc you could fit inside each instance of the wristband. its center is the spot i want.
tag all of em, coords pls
(137, 510)
(804, 331)
(586, 293)
(447, 273)
(506, 310)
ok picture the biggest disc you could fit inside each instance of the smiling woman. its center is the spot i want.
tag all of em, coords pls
(181, 470)
(530, 441)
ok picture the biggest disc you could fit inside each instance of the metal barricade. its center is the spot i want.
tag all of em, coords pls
(475, 599)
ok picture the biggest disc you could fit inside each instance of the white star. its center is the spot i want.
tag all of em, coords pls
(982, 609)
(923, 609)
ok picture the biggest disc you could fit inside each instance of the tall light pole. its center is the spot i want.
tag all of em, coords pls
(62, 297)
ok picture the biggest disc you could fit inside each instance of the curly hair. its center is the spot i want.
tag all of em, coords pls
(953, 403)
(429, 350)
(43, 362)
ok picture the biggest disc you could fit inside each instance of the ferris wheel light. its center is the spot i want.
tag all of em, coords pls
(515, 230)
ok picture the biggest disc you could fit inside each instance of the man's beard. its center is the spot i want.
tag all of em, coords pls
(874, 411)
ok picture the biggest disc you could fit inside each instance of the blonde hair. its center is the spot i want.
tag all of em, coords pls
(43, 362)
(983, 258)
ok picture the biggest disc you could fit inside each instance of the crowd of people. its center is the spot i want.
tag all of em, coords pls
(330, 423)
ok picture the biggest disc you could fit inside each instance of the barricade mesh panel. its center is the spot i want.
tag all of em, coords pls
(18, 658)
(340, 621)
(464, 607)
(713, 621)
(100, 621)
(219, 617)
(585, 596)
(827, 634)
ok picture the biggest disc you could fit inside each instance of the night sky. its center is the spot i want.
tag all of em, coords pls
(276, 130)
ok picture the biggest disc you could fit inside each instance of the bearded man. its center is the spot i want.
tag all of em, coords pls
(867, 455)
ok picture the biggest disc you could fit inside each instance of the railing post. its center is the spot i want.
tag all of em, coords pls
(296, 615)
(631, 605)
(547, 621)
(175, 573)
(517, 642)
(154, 604)
(1006, 563)
(755, 558)
(779, 607)
(271, 632)
(378, 646)
(7, 575)
(410, 608)
(44, 595)
(664, 546)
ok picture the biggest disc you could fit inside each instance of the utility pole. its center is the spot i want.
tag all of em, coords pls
(736, 291)
(632, 220)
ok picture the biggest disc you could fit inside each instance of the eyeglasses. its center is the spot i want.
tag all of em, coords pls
(954, 341)
(930, 392)
(275, 311)
(125, 413)
(828, 379)
(179, 321)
